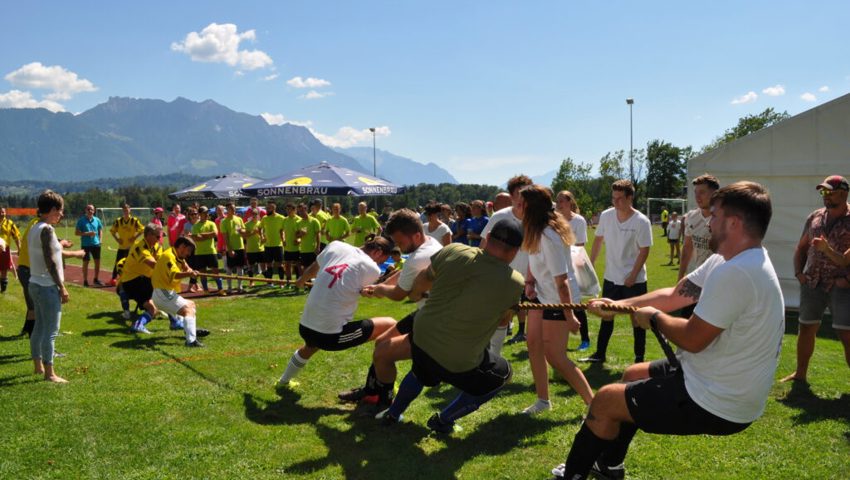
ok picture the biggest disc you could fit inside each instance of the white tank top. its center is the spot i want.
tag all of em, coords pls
(38, 267)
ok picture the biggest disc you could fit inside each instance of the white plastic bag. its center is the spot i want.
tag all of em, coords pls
(586, 277)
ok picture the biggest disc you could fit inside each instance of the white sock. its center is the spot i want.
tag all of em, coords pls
(239, 271)
(498, 339)
(296, 363)
(229, 281)
(189, 328)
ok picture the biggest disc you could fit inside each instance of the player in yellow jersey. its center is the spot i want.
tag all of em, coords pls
(170, 270)
(8, 233)
(125, 230)
(271, 236)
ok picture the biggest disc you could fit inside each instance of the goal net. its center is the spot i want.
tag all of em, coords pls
(108, 215)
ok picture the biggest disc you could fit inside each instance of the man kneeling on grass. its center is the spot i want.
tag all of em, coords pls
(340, 272)
(170, 270)
(728, 348)
(451, 333)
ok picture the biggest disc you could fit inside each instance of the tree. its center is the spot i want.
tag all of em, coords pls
(747, 125)
(666, 169)
(576, 178)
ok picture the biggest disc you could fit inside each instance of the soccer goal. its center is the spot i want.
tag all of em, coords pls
(108, 215)
(654, 207)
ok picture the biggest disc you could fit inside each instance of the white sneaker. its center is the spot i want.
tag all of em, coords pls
(125, 315)
(559, 470)
(538, 407)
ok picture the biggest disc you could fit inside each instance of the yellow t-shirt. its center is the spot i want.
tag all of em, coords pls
(24, 252)
(230, 229)
(337, 228)
(167, 267)
(252, 243)
(9, 231)
(364, 225)
(135, 265)
(272, 225)
(207, 245)
(290, 239)
(312, 226)
(126, 229)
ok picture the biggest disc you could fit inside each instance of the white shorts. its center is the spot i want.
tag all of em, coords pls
(168, 301)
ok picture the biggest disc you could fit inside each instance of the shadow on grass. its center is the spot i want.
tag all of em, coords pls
(149, 343)
(13, 358)
(12, 380)
(13, 338)
(371, 450)
(814, 409)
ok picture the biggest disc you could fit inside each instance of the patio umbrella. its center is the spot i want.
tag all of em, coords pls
(323, 179)
(222, 186)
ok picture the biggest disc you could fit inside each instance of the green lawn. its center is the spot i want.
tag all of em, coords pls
(147, 407)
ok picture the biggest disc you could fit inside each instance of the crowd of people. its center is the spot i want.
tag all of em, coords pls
(725, 314)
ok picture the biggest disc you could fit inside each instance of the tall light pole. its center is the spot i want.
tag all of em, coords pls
(374, 162)
(630, 102)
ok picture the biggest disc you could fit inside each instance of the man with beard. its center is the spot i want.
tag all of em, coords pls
(822, 266)
(695, 248)
(728, 348)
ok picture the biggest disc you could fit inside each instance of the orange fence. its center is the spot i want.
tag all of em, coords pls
(21, 212)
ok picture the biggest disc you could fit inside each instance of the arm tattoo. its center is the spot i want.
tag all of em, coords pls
(47, 251)
(690, 290)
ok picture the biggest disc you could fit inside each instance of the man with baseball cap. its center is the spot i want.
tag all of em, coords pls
(822, 266)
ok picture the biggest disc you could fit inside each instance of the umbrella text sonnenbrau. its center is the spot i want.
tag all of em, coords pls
(291, 190)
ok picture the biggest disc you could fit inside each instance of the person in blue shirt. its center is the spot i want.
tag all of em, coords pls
(475, 224)
(89, 229)
(462, 213)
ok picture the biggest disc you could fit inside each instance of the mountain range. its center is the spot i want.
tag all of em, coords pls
(127, 137)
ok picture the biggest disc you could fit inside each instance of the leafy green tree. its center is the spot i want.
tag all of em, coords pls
(747, 125)
(666, 169)
(575, 177)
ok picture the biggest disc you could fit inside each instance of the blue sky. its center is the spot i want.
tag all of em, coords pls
(483, 89)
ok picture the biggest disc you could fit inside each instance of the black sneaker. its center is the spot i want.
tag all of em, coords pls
(195, 344)
(639, 359)
(98, 283)
(595, 358)
(617, 472)
(85, 284)
(519, 337)
(355, 395)
(202, 332)
(437, 425)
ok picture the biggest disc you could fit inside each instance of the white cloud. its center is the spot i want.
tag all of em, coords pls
(309, 82)
(271, 77)
(314, 95)
(220, 44)
(280, 119)
(808, 97)
(749, 97)
(62, 82)
(824, 89)
(349, 136)
(775, 91)
(19, 99)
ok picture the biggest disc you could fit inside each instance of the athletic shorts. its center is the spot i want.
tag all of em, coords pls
(307, 259)
(672, 241)
(168, 301)
(24, 278)
(5, 259)
(405, 325)
(814, 302)
(237, 260)
(139, 289)
(353, 334)
(622, 292)
(661, 404)
(121, 253)
(256, 257)
(91, 252)
(274, 254)
(493, 372)
(291, 256)
(554, 314)
(205, 261)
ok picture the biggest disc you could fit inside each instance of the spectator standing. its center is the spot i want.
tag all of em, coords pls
(175, 224)
(568, 208)
(125, 230)
(674, 237)
(89, 229)
(8, 233)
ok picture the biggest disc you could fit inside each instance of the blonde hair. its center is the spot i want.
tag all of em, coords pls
(539, 214)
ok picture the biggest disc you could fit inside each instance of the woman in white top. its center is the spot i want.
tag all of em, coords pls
(567, 206)
(47, 283)
(434, 227)
(547, 236)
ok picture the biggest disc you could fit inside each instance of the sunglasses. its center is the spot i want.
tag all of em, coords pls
(825, 193)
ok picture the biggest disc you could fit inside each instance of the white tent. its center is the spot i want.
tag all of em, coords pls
(790, 159)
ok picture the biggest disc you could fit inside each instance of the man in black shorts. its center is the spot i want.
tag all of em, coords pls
(728, 348)
(451, 336)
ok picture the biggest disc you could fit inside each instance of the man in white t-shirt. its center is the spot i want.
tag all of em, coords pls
(519, 263)
(340, 271)
(406, 230)
(728, 349)
(695, 246)
(627, 234)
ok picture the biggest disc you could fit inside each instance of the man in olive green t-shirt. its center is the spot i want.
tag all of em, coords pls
(205, 233)
(470, 289)
(337, 227)
(309, 229)
(271, 236)
(364, 224)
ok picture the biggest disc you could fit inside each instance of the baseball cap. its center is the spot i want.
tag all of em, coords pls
(507, 231)
(834, 182)
(158, 210)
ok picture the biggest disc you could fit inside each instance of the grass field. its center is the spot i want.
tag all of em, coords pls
(147, 407)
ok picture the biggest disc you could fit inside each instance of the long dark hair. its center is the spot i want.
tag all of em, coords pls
(539, 214)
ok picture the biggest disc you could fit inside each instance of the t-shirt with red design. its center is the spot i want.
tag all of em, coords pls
(343, 271)
(820, 271)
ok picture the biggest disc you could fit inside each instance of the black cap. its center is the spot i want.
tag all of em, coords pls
(507, 231)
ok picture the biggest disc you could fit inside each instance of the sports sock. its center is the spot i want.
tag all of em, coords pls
(296, 363)
(4, 284)
(229, 281)
(521, 328)
(218, 283)
(239, 271)
(606, 329)
(640, 341)
(125, 300)
(189, 329)
(204, 284)
(409, 389)
(280, 273)
(616, 453)
(371, 387)
(497, 340)
(585, 450)
(464, 404)
(144, 319)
